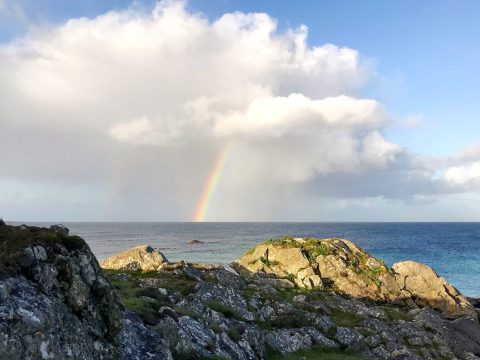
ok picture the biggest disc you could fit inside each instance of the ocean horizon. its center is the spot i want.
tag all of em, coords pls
(450, 248)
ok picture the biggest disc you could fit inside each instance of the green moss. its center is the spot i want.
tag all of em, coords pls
(183, 311)
(291, 277)
(345, 319)
(143, 301)
(146, 301)
(373, 273)
(182, 283)
(227, 311)
(234, 334)
(314, 247)
(394, 313)
(282, 241)
(290, 321)
(15, 239)
(215, 328)
(313, 353)
(269, 262)
(189, 355)
(331, 332)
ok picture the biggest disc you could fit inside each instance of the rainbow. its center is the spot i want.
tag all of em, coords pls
(211, 184)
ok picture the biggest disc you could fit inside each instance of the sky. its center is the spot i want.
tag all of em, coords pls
(222, 110)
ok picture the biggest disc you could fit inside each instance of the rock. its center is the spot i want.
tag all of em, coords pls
(271, 259)
(288, 340)
(138, 342)
(55, 303)
(2, 223)
(194, 241)
(301, 298)
(291, 340)
(421, 283)
(60, 229)
(226, 296)
(343, 266)
(49, 309)
(142, 257)
(350, 339)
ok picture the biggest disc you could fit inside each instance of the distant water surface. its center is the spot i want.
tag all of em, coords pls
(452, 249)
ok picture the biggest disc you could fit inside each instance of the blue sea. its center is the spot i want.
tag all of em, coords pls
(452, 249)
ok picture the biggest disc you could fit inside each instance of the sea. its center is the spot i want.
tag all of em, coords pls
(452, 249)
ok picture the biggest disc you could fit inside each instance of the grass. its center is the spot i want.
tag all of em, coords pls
(313, 353)
(182, 283)
(372, 273)
(183, 311)
(345, 319)
(15, 239)
(269, 262)
(234, 334)
(290, 321)
(133, 298)
(227, 311)
(310, 246)
(396, 313)
(146, 301)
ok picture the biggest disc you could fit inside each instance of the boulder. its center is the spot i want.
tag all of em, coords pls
(143, 257)
(421, 283)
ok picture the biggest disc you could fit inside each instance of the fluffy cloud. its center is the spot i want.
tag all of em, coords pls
(463, 175)
(138, 104)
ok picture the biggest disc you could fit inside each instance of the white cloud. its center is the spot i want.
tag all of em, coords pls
(463, 175)
(141, 103)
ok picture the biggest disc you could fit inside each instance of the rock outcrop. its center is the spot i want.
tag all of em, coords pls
(342, 266)
(143, 257)
(422, 283)
(54, 300)
(56, 303)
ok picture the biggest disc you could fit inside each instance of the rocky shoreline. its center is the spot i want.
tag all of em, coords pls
(289, 298)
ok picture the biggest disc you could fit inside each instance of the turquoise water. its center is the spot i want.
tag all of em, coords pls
(452, 249)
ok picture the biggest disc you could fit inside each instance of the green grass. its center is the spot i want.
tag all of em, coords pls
(372, 273)
(290, 321)
(227, 311)
(130, 292)
(396, 313)
(15, 239)
(345, 319)
(182, 283)
(130, 295)
(269, 262)
(313, 354)
(183, 311)
(234, 334)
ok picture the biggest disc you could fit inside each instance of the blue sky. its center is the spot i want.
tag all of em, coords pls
(422, 62)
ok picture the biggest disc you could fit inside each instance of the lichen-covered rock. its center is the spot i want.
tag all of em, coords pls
(342, 266)
(141, 343)
(141, 257)
(422, 283)
(50, 306)
(55, 303)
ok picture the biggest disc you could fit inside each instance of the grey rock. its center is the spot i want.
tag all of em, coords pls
(227, 296)
(350, 339)
(288, 340)
(138, 342)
